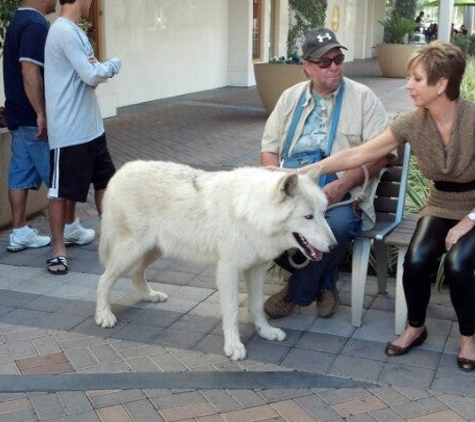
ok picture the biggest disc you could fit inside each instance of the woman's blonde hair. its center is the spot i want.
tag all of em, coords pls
(441, 59)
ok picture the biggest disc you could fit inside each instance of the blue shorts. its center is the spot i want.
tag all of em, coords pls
(29, 165)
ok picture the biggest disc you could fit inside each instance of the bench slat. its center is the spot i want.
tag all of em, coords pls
(401, 235)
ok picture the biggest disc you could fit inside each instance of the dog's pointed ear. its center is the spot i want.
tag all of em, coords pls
(287, 185)
(314, 174)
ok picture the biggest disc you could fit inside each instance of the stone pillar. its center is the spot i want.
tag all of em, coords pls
(446, 17)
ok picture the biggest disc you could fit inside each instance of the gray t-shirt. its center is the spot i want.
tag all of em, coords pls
(72, 111)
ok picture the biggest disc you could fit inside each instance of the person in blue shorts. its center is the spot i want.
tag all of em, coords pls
(23, 63)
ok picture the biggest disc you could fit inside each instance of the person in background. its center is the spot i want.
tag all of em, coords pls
(419, 20)
(309, 108)
(453, 32)
(79, 154)
(431, 32)
(441, 133)
(23, 63)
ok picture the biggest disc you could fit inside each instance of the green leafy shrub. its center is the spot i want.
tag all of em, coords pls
(466, 43)
(308, 14)
(7, 10)
(397, 29)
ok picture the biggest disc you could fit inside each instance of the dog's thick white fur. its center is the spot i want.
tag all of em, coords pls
(238, 220)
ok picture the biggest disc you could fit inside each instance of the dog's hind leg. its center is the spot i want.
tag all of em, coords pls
(140, 282)
(227, 280)
(255, 277)
(104, 316)
(121, 257)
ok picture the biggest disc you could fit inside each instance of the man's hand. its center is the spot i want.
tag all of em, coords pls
(334, 191)
(42, 132)
(33, 85)
(269, 159)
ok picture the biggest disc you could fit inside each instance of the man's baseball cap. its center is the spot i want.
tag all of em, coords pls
(318, 42)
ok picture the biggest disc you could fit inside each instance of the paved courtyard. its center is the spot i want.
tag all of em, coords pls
(164, 362)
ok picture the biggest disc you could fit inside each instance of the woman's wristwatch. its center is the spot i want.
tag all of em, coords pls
(471, 216)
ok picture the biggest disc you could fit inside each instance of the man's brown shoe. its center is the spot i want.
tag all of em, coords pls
(279, 305)
(327, 302)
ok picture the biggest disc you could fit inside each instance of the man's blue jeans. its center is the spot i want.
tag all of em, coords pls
(305, 283)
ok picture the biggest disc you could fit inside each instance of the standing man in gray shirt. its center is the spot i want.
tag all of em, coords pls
(79, 154)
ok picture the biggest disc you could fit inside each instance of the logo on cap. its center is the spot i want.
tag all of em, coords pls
(322, 37)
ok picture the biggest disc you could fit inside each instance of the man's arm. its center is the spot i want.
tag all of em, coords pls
(33, 85)
(269, 159)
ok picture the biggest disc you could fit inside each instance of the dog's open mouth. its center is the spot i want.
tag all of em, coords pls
(309, 251)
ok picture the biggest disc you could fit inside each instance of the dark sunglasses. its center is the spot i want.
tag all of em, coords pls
(326, 62)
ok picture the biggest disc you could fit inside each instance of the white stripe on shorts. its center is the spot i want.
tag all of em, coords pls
(53, 191)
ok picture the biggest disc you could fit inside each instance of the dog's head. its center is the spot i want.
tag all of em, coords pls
(284, 210)
(306, 204)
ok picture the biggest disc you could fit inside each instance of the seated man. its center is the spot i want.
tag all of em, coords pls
(326, 113)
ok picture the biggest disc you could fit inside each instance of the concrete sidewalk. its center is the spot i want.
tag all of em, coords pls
(164, 362)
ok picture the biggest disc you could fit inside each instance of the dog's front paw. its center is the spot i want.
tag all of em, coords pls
(272, 333)
(235, 350)
(105, 319)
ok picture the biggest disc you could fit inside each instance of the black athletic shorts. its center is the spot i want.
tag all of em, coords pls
(74, 168)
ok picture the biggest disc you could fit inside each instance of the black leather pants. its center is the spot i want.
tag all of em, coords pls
(420, 268)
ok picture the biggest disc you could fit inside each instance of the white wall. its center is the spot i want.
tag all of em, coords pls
(167, 47)
(239, 49)
(358, 28)
(171, 47)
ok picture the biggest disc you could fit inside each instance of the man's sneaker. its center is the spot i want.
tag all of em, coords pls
(327, 302)
(279, 305)
(30, 240)
(75, 234)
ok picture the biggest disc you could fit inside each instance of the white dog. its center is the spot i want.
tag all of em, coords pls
(237, 220)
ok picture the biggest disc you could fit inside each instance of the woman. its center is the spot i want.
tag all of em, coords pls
(441, 132)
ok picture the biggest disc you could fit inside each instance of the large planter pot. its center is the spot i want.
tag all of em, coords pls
(392, 59)
(273, 78)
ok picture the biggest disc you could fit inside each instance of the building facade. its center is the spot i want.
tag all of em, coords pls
(170, 48)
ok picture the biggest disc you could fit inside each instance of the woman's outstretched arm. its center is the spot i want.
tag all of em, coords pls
(372, 150)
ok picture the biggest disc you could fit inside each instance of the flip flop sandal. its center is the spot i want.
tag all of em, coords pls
(58, 260)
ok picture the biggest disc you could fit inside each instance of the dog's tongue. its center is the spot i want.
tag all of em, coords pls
(315, 253)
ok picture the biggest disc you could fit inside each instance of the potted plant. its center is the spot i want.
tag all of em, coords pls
(280, 73)
(275, 77)
(394, 52)
(37, 200)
